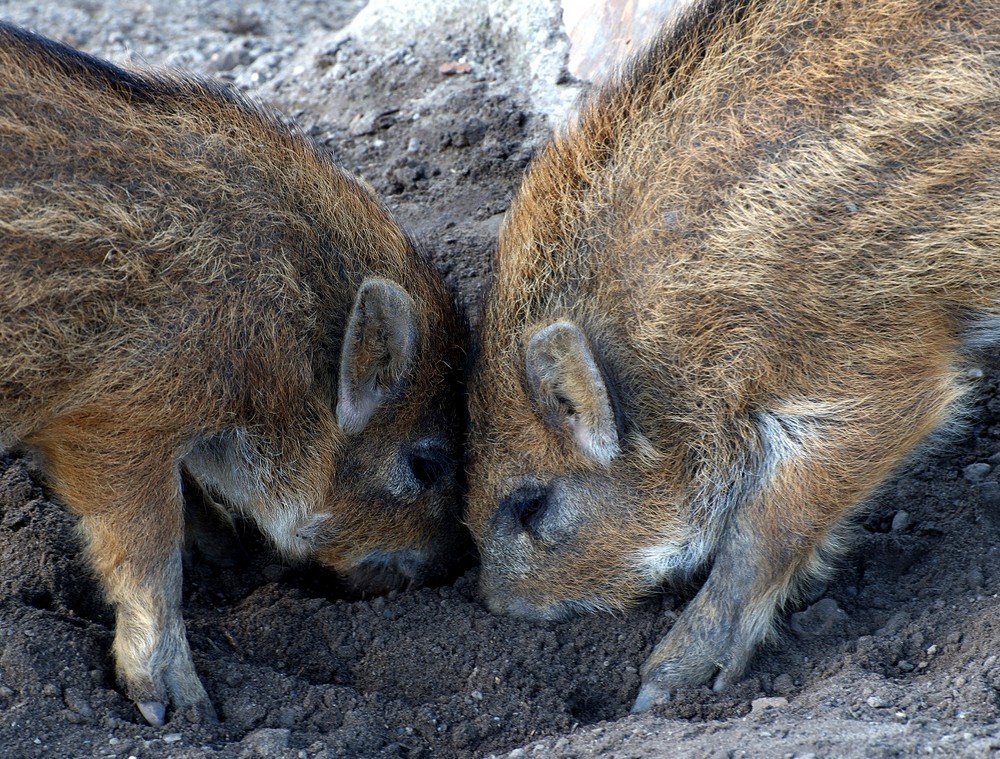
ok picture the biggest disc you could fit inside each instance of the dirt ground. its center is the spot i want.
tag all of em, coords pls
(898, 655)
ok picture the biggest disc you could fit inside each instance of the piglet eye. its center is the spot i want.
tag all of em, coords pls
(428, 462)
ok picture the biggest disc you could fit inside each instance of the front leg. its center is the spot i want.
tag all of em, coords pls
(126, 489)
(715, 637)
(140, 567)
(816, 463)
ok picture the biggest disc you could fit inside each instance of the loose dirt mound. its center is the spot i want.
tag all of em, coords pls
(898, 654)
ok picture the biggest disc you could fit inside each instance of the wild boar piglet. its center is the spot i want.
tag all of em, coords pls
(728, 300)
(190, 290)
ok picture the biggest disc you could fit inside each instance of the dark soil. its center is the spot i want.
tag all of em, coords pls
(897, 655)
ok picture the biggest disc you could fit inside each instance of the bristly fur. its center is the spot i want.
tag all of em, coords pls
(177, 270)
(778, 231)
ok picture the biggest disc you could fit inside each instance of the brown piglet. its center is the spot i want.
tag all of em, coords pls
(191, 292)
(728, 300)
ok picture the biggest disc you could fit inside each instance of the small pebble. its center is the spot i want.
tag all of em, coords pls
(451, 68)
(361, 124)
(268, 739)
(78, 701)
(759, 705)
(875, 702)
(818, 618)
(900, 521)
(783, 684)
(15, 520)
(976, 472)
(72, 717)
(233, 55)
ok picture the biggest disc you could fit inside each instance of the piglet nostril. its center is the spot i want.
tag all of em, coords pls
(526, 506)
(427, 471)
(529, 510)
(428, 463)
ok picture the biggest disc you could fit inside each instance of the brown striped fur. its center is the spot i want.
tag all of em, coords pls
(187, 286)
(728, 300)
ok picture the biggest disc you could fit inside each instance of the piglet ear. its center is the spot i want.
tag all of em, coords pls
(380, 343)
(567, 387)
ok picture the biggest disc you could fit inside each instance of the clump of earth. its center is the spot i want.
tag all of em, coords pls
(896, 654)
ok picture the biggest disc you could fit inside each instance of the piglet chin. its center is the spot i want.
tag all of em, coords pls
(380, 571)
(519, 607)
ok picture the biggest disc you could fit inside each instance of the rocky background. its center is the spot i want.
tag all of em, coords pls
(440, 105)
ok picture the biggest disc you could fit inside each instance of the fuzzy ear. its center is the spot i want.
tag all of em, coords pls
(567, 385)
(380, 343)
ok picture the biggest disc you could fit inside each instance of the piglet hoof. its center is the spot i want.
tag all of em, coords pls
(154, 712)
(201, 713)
(650, 694)
(725, 679)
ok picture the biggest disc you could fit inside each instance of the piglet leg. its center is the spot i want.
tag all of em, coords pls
(126, 489)
(815, 462)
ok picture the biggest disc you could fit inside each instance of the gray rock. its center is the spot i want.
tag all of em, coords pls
(900, 521)
(78, 701)
(265, 742)
(783, 684)
(760, 705)
(817, 619)
(976, 472)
